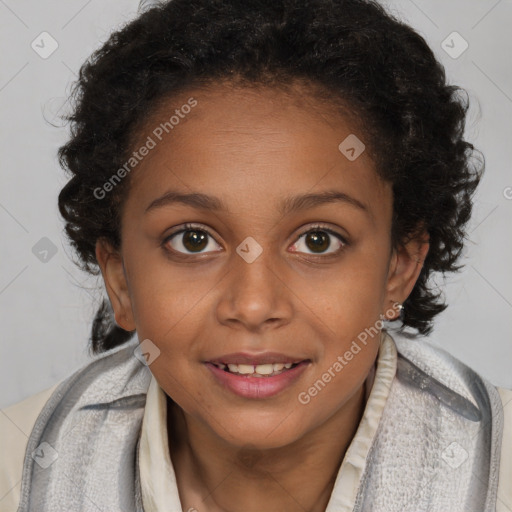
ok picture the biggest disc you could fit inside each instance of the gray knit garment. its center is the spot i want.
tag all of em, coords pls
(436, 449)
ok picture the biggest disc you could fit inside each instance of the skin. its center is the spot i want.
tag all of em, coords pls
(251, 148)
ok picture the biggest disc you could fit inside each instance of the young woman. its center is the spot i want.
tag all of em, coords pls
(266, 187)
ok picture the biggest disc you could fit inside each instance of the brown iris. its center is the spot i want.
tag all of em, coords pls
(194, 240)
(318, 241)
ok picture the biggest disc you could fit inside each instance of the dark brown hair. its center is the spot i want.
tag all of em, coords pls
(353, 49)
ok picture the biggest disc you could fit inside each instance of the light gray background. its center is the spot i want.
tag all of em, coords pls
(46, 308)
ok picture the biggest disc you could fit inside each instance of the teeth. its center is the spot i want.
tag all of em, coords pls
(244, 369)
(264, 369)
(260, 369)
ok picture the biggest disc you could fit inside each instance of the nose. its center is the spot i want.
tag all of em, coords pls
(254, 296)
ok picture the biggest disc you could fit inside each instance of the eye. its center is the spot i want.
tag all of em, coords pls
(191, 238)
(318, 239)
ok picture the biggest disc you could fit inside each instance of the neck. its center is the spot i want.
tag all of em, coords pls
(214, 475)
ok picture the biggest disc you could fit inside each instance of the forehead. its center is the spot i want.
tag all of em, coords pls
(252, 146)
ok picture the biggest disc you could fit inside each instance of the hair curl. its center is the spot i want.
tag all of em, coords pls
(357, 53)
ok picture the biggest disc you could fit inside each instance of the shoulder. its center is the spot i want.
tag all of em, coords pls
(123, 376)
(504, 502)
(16, 423)
(459, 378)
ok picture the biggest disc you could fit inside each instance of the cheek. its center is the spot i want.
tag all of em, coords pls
(164, 297)
(350, 326)
(350, 298)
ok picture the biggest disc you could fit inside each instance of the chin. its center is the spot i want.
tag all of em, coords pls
(269, 433)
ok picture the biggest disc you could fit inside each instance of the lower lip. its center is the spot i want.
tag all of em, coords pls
(258, 387)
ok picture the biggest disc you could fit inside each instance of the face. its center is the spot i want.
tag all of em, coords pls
(260, 267)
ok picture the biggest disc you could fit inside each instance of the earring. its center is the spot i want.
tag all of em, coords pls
(396, 306)
(400, 307)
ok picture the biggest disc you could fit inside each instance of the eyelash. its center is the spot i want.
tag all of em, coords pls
(198, 227)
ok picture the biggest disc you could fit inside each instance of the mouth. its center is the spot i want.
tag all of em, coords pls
(257, 381)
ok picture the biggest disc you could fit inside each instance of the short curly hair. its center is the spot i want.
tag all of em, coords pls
(360, 55)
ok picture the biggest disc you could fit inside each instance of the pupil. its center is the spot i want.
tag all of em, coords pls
(194, 240)
(319, 241)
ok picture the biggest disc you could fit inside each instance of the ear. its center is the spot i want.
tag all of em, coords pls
(404, 269)
(114, 276)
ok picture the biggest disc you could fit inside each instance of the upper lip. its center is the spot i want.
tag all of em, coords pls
(256, 358)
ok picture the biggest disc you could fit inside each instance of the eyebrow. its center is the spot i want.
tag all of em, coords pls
(288, 205)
